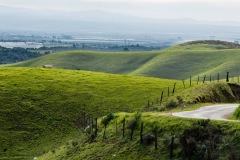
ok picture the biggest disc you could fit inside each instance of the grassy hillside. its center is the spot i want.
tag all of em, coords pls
(179, 62)
(220, 139)
(214, 93)
(40, 108)
(110, 62)
(193, 59)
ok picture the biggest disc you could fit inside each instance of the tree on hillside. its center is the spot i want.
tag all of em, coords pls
(134, 123)
(106, 120)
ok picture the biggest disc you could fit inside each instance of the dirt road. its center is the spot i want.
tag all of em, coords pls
(214, 112)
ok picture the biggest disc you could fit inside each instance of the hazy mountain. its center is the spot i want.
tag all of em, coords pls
(107, 22)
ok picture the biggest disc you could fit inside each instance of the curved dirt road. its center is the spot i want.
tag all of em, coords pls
(214, 112)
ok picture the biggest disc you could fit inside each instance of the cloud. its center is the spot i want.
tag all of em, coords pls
(105, 4)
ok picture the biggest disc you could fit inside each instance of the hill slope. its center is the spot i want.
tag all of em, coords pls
(115, 147)
(109, 62)
(40, 108)
(194, 59)
(179, 62)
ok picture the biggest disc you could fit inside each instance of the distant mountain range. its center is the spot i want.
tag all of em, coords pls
(93, 22)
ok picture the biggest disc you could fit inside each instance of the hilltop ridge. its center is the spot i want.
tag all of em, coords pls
(197, 58)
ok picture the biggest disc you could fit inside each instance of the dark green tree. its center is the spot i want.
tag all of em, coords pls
(106, 120)
(134, 123)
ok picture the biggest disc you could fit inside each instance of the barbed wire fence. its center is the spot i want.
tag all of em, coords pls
(166, 92)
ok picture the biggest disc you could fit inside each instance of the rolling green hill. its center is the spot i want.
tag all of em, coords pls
(179, 62)
(109, 62)
(224, 136)
(41, 108)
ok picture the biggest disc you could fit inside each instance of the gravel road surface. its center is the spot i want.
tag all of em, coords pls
(214, 112)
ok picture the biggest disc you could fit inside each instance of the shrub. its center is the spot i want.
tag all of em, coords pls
(148, 139)
(171, 104)
(72, 150)
(201, 140)
(229, 147)
(180, 99)
(106, 120)
(53, 150)
(167, 139)
(74, 143)
(134, 122)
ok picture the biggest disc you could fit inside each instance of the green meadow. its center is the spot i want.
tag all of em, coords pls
(178, 62)
(43, 111)
(42, 107)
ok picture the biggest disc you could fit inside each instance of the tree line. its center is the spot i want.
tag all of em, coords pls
(8, 55)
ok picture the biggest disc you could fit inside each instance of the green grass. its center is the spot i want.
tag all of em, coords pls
(116, 147)
(179, 62)
(214, 93)
(40, 108)
(236, 114)
(109, 62)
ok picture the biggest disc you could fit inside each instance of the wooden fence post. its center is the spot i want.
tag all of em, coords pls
(204, 78)
(116, 127)
(84, 120)
(123, 130)
(190, 81)
(161, 99)
(183, 83)
(218, 77)
(227, 79)
(91, 124)
(96, 126)
(155, 138)
(174, 89)
(171, 147)
(141, 133)
(168, 92)
(198, 80)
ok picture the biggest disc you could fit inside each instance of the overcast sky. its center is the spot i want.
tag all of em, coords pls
(220, 10)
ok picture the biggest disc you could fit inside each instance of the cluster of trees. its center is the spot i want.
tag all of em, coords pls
(214, 42)
(8, 55)
(135, 48)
